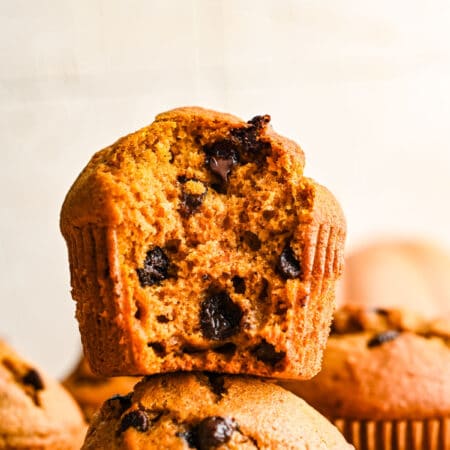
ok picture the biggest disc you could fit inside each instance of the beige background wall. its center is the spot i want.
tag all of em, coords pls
(363, 86)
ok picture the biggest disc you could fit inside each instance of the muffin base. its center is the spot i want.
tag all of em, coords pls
(430, 434)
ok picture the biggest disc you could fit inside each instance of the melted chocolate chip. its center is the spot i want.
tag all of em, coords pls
(156, 267)
(221, 166)
(238, 284)
(137, 419)
(32, 378)
(221, 156)
(242, 147)
(288, 266)
(383, 337)
(214, 431)
(219, 317)
(266, 353)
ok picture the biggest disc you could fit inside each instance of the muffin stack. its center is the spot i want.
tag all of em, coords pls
(197, 245)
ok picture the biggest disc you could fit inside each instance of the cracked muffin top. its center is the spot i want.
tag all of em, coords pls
(210, 411)
(36, 412)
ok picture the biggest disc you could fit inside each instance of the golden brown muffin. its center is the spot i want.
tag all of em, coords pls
(196, 244)
(36, 412)
(91, 390)
(385, 380)
(210, 411)
(398, 274)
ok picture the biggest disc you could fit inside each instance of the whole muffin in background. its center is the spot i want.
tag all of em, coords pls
(91, 390)
(385, 380)
(210, 411)
(36, 412)
(196, 243)
(398, 273)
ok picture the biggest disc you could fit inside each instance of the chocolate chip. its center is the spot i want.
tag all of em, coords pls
(266, 353)
(259, 122)
(138, 313)
(252, 240)
(190, 437)
(137, 419)
(32, 378)
(217, 383)
(214, 431)
(158, 348)
(219, 317)
(119, 402)
(228, 349)
(156, 266)
(251, 148)
(191, 202)
(288, 266)
(383, 337)
(221, 156)
(268, 214)
(162, 318)
(238, 284)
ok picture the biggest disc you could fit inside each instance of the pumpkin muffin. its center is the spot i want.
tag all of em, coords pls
(196, 243)
(385, 380)
(398, 273)
(36, 412)
(91, 390)
(210, 411)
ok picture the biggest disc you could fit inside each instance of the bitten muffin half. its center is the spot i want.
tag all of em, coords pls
(196, 244)
(385, 380)
(36, 412)
(210, 411)
(91, 390)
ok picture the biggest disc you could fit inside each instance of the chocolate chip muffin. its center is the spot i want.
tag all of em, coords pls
(196, 243)
(398, 273)
(385, 380)
(91, 390)
(36, 412)
(210, 411)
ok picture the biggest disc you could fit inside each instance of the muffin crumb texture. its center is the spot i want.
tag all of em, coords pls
(196, 243)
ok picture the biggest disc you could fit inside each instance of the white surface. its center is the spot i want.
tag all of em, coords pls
(362, 86)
